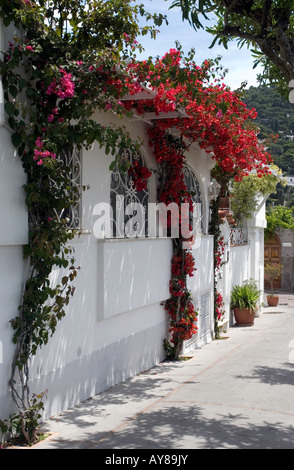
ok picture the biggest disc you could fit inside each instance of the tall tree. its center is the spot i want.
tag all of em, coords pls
(266, 26)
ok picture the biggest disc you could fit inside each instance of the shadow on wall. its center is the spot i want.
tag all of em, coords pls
(88, 354)
(132, 274)
(94, 373)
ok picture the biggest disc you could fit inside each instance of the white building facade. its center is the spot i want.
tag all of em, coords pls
(115, 323)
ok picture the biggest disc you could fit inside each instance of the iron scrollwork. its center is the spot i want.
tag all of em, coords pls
(193, 187)
(129, 206)
(71, 163)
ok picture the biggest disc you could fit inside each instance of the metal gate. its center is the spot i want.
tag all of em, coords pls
(204, 316)
(203, 322)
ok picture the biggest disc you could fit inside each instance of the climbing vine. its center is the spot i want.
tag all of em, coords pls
(67, 62)
(169, 154)
(218, 248)
(245, 193)
(215, 118)
(278, 217)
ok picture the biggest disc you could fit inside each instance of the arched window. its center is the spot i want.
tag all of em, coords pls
(193, 187)
(72, 165)
(129, 206)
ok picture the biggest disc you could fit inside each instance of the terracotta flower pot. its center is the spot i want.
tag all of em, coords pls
(272, 300)
(244, 316)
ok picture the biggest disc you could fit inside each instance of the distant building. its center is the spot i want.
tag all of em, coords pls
(290, 180)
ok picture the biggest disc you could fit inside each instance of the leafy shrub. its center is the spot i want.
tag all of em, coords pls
(246, 295)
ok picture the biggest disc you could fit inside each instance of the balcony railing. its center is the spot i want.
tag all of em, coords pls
(238, 236)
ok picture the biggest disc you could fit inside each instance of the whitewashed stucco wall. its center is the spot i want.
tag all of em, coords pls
(13, 235)
(201, 286)
(243, 262)
(115, 323)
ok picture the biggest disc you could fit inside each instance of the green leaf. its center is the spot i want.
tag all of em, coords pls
(224, 107)
(12, 122)
(112, 165)
(21, 84)
(16, 139)
(6, 20)
(13, 90)
(30, 93)
(9, 108)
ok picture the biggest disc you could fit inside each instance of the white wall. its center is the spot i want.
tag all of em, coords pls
(243, 261)
(201, 286)
(139, 279)
(201, 163)
(240, 264)
(11, 285)
(256, 228)
(115, 323)
(13, 213)
(13, 235)
(1, 87)
(235, 270)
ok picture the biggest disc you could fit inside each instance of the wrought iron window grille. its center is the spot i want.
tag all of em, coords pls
(193, 186)
(129, 206)
(72, 164)
(238, 236)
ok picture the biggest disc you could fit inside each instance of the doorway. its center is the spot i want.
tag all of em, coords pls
(272, 255)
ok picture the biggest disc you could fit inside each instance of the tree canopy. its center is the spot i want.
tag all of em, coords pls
(274, 116)
(266, 26)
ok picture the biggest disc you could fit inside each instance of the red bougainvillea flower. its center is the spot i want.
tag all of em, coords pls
(214, 117)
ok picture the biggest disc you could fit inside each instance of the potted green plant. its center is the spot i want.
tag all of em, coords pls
(244, 302)
(271, 272)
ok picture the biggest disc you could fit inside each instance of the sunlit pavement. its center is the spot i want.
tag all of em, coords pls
(236, 392)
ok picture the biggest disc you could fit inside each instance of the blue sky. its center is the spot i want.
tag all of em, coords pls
(238, 62)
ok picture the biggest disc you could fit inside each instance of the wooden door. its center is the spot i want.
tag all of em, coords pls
(272, 254)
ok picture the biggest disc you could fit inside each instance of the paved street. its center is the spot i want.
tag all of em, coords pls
(234, 393)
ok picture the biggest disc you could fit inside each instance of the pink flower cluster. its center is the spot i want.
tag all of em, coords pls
(40, 154)
(63, 89)
(50, 116)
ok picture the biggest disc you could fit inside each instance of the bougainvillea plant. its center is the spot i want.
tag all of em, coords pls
(218, 298)
(210, 114)
(67, 62)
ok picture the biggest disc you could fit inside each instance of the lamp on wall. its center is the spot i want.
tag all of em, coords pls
(214, 188)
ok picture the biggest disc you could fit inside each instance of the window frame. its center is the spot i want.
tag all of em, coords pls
(123, 191)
